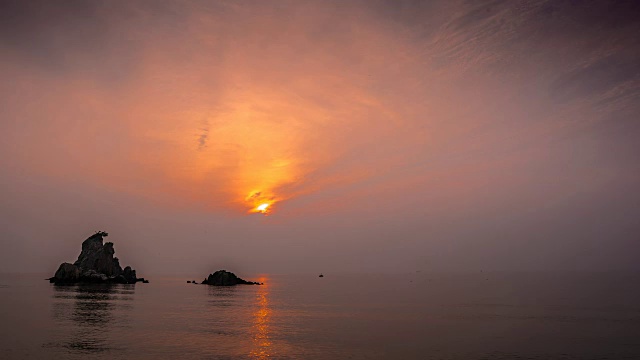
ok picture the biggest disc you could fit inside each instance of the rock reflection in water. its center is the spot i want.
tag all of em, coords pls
(86, 315)
(223, 296)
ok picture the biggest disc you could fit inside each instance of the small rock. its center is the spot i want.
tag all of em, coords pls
(226, 278)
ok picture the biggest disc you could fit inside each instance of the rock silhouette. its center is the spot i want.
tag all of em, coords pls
(96, 264)
(226, 278)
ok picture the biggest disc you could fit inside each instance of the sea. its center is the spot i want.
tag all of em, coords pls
(339, 316)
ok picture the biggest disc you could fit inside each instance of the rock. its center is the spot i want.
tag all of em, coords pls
(226, 278)
(188, 281)
(95, 264)
(67, 273)
(99, 257)
(130, 275)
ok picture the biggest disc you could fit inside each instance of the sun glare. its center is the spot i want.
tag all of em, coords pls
(260, 202)
(262, 208)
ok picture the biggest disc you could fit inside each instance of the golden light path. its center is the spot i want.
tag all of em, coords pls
(262, 348)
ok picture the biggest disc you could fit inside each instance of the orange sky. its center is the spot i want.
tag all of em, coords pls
(381, 112)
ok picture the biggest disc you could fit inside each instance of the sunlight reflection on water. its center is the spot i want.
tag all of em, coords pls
(262, 343)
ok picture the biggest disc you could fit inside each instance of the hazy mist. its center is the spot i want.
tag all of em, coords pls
(386, 136)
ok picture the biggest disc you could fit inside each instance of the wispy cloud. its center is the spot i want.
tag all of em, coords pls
(204, 135)
(307, 99)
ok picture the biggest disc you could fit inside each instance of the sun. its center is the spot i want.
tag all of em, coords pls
(260, 202)
(262, 208)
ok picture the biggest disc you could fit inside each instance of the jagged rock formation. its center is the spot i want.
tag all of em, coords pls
(96, 264)
(226, 278)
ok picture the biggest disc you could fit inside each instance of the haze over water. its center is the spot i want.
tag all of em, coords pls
(414, 316)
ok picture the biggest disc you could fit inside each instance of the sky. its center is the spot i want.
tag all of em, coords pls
(321, 136)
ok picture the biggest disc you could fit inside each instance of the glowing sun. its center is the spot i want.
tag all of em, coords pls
(260, 203)
(263, 208)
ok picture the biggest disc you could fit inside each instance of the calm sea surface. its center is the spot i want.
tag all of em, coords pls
(413, 316)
